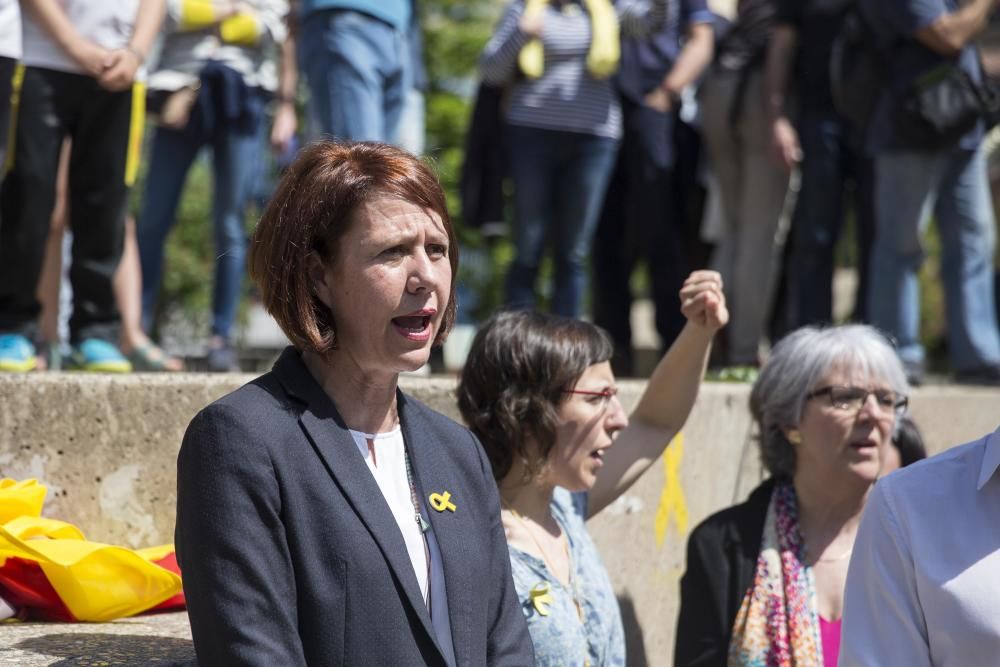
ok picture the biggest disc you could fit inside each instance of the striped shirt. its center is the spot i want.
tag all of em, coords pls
(183, 53)
(566, 97)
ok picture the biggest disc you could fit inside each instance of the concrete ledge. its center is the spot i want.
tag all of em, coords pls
(106, 447)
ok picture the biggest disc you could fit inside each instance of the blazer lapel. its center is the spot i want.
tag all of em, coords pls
(332, 440)
(434, 473)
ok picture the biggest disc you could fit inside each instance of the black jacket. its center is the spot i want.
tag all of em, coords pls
(291, 556)
(721, 558)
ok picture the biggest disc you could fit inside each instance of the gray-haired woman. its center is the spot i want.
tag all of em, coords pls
(765, 579)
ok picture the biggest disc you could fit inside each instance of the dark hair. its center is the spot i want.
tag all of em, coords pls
(518, 367)
(311, 210)
(908, 441)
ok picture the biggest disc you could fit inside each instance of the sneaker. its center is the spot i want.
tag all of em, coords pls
(984, 376)
(915, 371)
(98, 356)
(222, 359)
(17, 354)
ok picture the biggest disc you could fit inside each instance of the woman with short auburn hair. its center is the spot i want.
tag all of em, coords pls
(324, 517)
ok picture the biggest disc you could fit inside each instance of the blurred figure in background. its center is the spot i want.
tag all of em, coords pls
(637, 221)
(216, 72)
(356, 58)
(919, 173)
(81, 60)
(807, 132)
(752, 188)
(563, 126)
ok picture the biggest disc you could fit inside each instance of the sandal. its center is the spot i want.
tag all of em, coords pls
(149, 357)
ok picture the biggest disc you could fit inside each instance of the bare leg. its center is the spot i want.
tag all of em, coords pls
(52, 270)
(128, 294)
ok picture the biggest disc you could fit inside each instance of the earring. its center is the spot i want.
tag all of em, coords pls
(794, 437)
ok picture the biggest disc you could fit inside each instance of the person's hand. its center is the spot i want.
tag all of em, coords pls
(702, 300)
(89, 56)
(283, 128)
(659, 99)
(120, 67)
(785, 144)
(533, 19)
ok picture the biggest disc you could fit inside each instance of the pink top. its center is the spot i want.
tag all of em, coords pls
(829, 634)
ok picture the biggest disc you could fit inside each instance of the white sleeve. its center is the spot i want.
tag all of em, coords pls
(883, 621)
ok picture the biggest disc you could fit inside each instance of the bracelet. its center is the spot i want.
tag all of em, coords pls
(136, 52)
(284, 99)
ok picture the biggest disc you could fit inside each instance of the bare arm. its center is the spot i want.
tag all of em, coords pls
(285, 120)
(670, 393)
(121, 65)
(780, 52)
(691, 62)
(951, 32)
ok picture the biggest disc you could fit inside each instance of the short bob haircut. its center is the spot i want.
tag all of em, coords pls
(796, 364)
(519, 366)
(311, 210)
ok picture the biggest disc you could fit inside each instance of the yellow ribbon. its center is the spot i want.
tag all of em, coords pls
(442, 502)
(605, 43)
(672, 501)
(541, 597)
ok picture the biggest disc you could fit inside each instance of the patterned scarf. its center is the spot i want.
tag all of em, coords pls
(778, 623)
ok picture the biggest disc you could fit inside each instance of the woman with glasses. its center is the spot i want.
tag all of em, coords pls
(539, 393)
(765, 579)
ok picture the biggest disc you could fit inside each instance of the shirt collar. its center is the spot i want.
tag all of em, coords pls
(991, 459)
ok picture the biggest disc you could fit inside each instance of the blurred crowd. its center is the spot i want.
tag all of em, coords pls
(732, 135)
(669, 134)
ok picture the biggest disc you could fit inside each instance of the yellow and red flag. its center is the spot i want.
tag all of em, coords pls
(50, 571)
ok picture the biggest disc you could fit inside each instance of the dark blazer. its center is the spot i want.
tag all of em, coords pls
(291, 556)
(721, 559)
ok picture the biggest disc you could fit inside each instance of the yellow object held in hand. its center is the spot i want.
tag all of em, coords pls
(605, 44)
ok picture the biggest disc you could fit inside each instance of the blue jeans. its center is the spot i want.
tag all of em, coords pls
(829, 166)
(559, 183)
(952, 185)
(234, 155)
(358, 72)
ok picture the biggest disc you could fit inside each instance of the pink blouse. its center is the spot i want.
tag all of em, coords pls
(829, 633)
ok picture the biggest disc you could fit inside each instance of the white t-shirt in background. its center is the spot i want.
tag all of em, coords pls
(107, 23)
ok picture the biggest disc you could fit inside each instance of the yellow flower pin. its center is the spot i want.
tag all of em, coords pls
(442, 501)
(541, 597)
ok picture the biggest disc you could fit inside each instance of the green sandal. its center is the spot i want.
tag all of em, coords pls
(150, 358)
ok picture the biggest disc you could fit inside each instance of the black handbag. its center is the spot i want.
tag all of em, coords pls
(941, 106)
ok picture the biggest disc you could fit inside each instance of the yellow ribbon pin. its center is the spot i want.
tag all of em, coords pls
(541, 597)
(442, 502)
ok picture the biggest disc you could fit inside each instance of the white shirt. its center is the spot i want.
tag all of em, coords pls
(386, 459)
(10, 29)
(923, 586)
(108, 23)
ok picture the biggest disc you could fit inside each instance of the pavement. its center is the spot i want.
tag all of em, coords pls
(163, 640)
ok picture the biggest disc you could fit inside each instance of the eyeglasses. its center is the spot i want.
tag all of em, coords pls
(605, 394)
(852, 399)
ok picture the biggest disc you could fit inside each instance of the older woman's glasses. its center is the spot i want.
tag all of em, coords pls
(851, 399)
(605, 395)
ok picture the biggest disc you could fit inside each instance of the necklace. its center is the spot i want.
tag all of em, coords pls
(834, 559)
(571, 584)
(549, 562)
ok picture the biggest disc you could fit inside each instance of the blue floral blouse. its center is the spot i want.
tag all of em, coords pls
(561, 637)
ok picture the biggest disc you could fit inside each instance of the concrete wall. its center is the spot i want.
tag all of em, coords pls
(106, 447)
